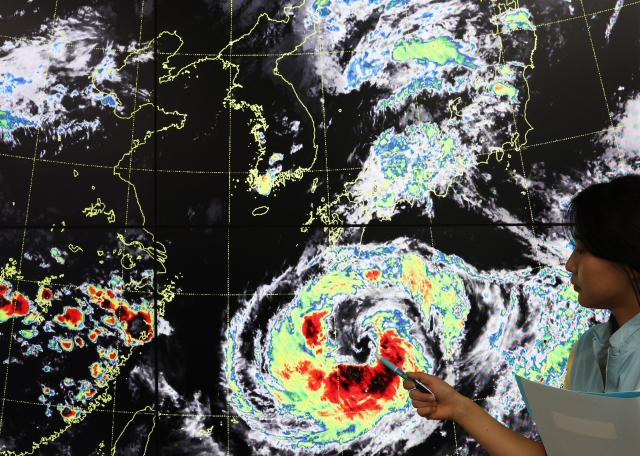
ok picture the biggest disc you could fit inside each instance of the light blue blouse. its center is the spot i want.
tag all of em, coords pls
(606, 361)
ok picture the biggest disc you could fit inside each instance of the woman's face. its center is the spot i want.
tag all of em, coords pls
(601, 284)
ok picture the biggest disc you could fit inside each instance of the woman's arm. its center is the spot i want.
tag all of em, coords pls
(448, 404)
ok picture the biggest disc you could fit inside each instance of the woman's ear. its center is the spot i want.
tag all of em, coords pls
(632, 273)
(634, 278)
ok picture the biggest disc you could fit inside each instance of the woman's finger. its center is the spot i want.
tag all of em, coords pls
(420, 404)
(425, 397)
(426, 411)
(421, 376)
(406, 384)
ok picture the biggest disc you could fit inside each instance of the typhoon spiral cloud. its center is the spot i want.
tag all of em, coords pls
(300, 354)
(315, 362)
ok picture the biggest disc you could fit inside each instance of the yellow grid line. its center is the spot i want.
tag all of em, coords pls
(209, 415)
(231, 82)
(544, 143)
(178, 293)
(595, 58)
(326, 161)
(130, 412)
(326, 150)
(112, 447)
(40, 404)
(604, 92)
(177, 171)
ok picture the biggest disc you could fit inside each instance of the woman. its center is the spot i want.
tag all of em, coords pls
(604, 222)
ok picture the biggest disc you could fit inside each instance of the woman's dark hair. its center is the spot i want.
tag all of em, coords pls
(605, 219)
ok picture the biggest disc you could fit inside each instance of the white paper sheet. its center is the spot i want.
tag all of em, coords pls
(584, 424)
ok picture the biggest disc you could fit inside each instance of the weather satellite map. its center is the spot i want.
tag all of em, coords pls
(214, 214)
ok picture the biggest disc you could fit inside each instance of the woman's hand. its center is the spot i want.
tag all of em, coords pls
(444, 404)
(447, 404)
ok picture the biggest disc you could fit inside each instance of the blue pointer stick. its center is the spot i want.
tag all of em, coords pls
(389, 365)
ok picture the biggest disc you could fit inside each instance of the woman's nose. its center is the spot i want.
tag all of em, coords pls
(570, 264)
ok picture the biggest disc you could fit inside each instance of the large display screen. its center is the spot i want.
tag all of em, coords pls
(214, 215)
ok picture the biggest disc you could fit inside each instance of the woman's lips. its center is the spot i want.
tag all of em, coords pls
(577, 288)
